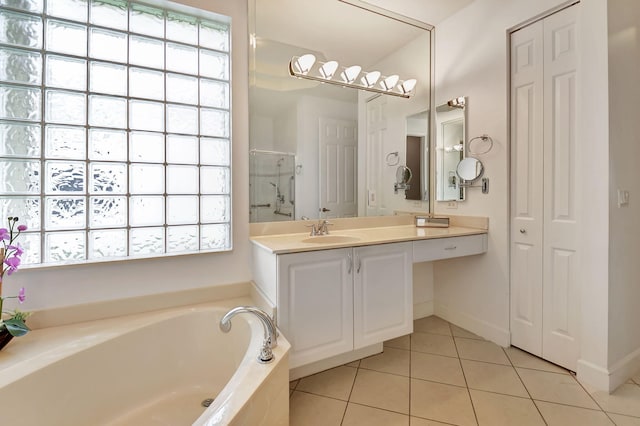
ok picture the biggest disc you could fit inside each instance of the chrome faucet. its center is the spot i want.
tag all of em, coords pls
(270, 333)
(319, 228)
(322, 227)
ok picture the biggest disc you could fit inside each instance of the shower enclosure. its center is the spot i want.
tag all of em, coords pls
(271, 186)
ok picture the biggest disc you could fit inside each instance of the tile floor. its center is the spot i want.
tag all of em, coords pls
(442, 374)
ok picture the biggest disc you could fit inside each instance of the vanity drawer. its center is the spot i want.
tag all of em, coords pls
(445, 248)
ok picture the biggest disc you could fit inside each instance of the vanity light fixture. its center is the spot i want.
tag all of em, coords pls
(307, 67)
(304, 63)
(350, 74)
(457, 102)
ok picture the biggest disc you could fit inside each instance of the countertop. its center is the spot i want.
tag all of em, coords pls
(293, 242)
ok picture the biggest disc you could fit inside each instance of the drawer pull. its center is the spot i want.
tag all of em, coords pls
(451, 248)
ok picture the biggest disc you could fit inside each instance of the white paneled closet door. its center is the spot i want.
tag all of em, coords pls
(544, 291)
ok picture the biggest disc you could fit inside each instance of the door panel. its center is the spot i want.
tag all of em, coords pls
(561, 289)
(338, 162)
(526, 188)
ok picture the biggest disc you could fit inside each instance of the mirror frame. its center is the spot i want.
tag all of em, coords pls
(455, 104)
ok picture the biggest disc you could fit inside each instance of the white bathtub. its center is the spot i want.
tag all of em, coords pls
(146, 369)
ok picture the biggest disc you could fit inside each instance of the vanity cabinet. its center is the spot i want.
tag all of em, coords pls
(330, 302)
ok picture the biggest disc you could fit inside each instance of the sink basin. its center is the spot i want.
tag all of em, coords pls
(331, 239)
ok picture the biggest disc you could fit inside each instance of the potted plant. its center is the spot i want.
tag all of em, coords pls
(12, 323)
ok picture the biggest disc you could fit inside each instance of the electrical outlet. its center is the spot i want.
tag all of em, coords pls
(623, 198)
(452, 204)
(372, 198)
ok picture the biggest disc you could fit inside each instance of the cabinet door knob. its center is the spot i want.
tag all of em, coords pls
(359, 263)
(523, 231)
(350, 267)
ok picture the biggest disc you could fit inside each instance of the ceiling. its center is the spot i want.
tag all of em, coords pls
(334, 27)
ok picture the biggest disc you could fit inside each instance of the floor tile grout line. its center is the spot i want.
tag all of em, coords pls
(379, 408)
(353, 384)
(580, 407)
(464, 376)
(410, 385)
(589, 393)
(524, 386)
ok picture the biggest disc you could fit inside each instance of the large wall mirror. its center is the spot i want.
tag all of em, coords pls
(320, 150)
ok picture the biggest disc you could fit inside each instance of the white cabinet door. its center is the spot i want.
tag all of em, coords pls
(383, 299)
(315, 304)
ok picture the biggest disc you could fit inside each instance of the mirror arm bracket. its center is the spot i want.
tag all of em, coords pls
(469, 184)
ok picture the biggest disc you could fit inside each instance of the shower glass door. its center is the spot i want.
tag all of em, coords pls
(272, 186)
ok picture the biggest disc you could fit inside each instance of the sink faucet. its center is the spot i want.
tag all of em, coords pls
(319, 228)
(270, 333)
(322, 227)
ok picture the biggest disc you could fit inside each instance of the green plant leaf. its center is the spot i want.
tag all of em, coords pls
(16, 327)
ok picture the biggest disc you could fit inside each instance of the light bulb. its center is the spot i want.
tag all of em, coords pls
(408, 85)
(370, 78)
(328, 69)
(389, 82)
(304, 63)
(350, 74)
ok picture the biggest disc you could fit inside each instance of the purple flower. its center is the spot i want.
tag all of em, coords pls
(22, 228)
(4, 234)
(21, 295)
(17, 248)
(12, 263)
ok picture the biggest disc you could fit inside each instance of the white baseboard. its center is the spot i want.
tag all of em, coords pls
(608, 380)
(475, 325)
(422, 309)
(335, 361)
(592, 375)
(624, 369)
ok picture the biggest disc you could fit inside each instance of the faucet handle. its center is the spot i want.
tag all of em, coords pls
(314, 230)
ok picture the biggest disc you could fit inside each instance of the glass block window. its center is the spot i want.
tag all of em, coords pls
(115, 126)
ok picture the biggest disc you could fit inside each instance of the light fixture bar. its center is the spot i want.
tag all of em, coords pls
(331, 72)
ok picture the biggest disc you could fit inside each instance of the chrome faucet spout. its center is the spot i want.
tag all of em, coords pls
(322, 228)
(270, 332)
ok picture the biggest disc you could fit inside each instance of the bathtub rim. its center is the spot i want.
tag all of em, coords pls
(44, 347)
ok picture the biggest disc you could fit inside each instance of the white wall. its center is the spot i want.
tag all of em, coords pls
(624, 151)
(71, 285)
(261, 132)
(471, 59)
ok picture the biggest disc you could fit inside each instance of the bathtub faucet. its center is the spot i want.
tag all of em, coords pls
(270, 333)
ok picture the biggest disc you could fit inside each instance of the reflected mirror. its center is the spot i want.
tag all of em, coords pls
(417, 149)
(403, 179)
(450, 144)
(338, 137)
